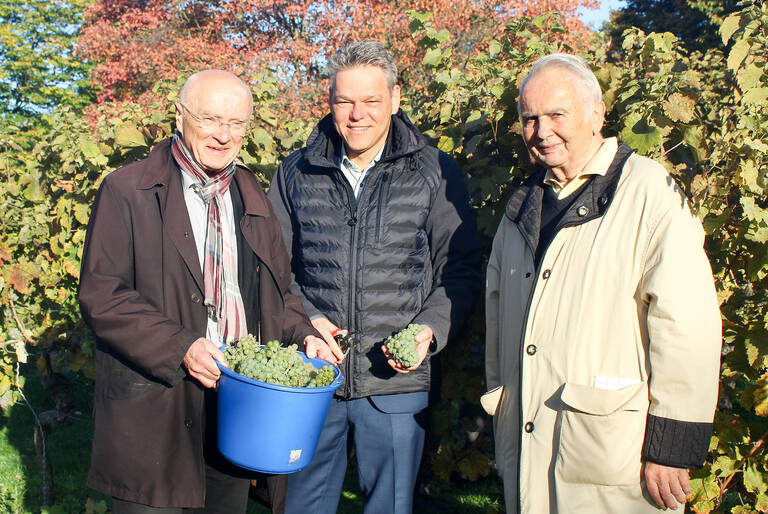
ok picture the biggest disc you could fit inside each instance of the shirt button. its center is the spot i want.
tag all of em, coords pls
(546, 274)
(582, 211)
(529, 427)
(195, 298)
(528, 274)
(530, 349)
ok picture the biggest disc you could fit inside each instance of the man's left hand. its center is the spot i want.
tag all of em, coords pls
(667, 485)
(423, 339)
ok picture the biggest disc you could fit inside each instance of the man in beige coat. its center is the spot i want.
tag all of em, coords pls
(603, 329)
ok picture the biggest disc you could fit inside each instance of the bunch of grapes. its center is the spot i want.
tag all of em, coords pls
(402, 346)
(276, 364)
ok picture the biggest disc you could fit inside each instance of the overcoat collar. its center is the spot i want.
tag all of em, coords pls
(524, 206)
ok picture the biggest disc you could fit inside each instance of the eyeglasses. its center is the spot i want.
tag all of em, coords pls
(237, 128)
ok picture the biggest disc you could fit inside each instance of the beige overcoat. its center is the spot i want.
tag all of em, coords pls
(614, 340)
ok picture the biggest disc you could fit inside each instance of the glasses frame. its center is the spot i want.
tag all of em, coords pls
(206, 124)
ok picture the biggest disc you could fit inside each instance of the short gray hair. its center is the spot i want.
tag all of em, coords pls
(367, 52)
(574, 64)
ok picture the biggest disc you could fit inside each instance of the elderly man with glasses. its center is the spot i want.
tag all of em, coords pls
(183, 255)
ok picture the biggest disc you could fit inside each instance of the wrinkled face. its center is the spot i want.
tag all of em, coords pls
(362, 105)
(212, 98)
(560, 128)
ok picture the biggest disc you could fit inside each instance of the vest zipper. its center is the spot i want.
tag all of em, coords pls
(380, 207)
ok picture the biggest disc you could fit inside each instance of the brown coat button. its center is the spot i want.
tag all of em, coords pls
(546, 274)
(195, 298)
(530, 349)
(529, 427)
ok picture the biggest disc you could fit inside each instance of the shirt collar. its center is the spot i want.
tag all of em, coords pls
(347, 162)
(597, 165)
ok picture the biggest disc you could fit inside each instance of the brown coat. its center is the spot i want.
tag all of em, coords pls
(141, 293)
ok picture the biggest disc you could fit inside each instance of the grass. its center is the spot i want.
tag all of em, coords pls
(69, 449)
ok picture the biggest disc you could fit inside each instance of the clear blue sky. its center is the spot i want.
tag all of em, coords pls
(594, 18)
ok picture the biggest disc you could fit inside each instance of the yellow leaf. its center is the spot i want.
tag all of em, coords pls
(737, 54)
(679, 107)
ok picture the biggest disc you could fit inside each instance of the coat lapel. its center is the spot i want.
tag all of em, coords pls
(161, 176)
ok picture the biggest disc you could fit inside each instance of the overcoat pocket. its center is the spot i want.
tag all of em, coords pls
(601, 434)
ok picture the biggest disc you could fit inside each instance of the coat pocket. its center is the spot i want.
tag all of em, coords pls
(601, 434)
(125, 383)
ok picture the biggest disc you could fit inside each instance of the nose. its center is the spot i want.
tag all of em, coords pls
(222, 134)
(543, 127)
(358, 111)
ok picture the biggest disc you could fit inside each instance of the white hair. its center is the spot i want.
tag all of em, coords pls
(585, 80)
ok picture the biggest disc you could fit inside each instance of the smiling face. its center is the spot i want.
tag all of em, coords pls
(362, 106)
(560, 127)
(213, 95)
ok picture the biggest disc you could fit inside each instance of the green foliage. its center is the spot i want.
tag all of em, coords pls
(693, 22)
(38, 70)
(703, 115)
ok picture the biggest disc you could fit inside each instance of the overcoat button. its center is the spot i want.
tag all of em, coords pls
(546, 274)
(582, 211)
(529, 427)
(602, 201)
(528, 274)
(530, 349)
(352, 222)
(188, 423)
(186, 234)
(195, 298)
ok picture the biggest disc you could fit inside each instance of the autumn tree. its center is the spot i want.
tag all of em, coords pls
(135, 43)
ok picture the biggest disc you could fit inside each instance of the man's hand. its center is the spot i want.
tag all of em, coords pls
(199, 361)
(325, 328)
(667, 485)
(423, 339)
(316, 347)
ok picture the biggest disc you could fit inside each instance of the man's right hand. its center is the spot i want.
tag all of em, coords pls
(325, 328)
(199, 361)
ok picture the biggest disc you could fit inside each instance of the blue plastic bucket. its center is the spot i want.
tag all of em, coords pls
(271, 428)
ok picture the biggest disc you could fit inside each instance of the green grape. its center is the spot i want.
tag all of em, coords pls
(402, 346)
(276, 364)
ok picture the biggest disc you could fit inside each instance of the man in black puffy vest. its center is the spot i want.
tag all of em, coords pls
(381, 235)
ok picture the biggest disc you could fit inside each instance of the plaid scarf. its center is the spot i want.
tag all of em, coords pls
(222, 291)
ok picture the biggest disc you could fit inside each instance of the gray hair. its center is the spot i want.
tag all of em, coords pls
(573, 64)
(367, 52)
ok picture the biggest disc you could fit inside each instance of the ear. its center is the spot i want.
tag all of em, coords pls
(179, 118)
(598, 117)
(395, 98)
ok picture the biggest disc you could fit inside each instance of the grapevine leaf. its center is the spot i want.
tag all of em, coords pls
(20, 279)
(679, 107)
(474, 465)
(5, 384)
(737, 54)
(754, 479)
(730, 26)
(432, 56)
(761, 396)
(128, 136)
(82, 210)
(755, 96)
(749, 77)
(640, 135)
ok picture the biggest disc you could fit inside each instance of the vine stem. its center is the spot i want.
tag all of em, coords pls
(755, 447)
(23, 330)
